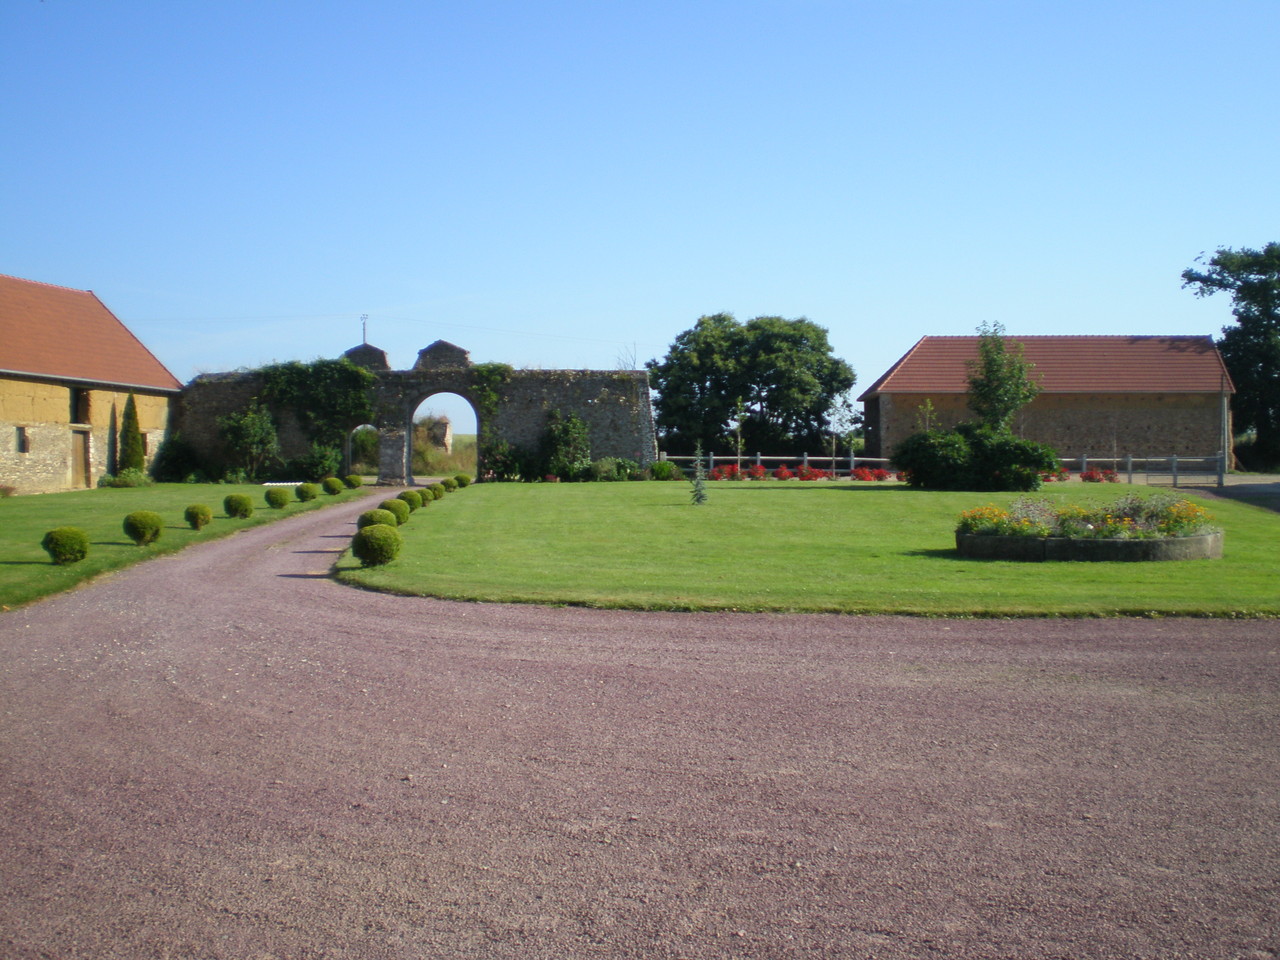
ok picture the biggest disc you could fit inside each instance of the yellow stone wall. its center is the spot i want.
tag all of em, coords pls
(43, 411)
(1094, 425)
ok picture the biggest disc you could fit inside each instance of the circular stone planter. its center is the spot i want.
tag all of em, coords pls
(1206, 546)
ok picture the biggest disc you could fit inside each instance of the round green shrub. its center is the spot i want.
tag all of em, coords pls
(449, 484)
(376, 544)
(66, 544)
(197, 515)
(277, 498)
(398, 507)
(462, 479)
(332, 485)
(437, 489)
(412, 497)
(353, 480)
(306, 491)
(143, 527)
(370, 517)
(237, 505)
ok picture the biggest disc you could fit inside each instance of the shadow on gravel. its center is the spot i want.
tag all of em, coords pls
(326, 552)
(304, 576)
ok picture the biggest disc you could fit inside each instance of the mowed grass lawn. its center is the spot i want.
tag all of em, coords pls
(26, 572)
(839, 547)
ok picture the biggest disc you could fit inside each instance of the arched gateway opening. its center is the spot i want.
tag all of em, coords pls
(442, 437)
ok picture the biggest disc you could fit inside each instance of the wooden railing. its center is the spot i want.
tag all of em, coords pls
(1154, 471)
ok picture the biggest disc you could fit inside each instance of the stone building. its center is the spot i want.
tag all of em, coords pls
(67, 366)
(1101, 396)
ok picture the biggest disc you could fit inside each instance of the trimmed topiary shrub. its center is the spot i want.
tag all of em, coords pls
(449, 484)
(332, 485)
(306, 491)
(353, 480)
(412, 497)
(437, 490)
(277, 497)
(66, 544)
(462, 479)
(197, 515)
(143, 527)
(238, 506)
(376, 544)
(370, 517)
(398, 507)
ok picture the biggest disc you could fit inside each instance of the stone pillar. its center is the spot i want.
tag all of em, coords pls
(393, 455)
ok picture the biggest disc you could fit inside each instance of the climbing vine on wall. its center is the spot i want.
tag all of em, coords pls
(487, 380)
(329, 396)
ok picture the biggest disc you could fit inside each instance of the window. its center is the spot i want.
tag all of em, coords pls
(79, 405)
(24, 442)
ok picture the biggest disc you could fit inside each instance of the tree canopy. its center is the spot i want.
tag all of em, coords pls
(772, 381)
(1000, 382)
(1251, 348)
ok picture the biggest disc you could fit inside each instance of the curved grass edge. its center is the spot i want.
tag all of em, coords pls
(545, 544)
(344, 578)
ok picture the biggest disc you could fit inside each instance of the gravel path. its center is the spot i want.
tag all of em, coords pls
(223, 754)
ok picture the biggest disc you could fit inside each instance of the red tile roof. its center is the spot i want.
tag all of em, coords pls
(50, 331)
(1080, 364)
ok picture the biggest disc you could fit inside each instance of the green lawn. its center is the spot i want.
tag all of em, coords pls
(840, 547)
(26, 572)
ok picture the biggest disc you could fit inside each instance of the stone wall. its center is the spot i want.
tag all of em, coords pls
(213, 395)
(36, 415)
(614, 405)
(1094, 425)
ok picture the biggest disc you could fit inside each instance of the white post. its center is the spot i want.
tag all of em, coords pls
(1128, 466)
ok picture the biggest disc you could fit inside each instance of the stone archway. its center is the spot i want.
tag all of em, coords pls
(511, 406)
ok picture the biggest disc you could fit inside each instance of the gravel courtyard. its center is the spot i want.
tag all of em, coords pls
(223, 755)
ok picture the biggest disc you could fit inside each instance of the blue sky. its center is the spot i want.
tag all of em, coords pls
(572, 184)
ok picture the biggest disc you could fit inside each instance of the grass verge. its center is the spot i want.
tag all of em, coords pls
(795, 547)
(26, 573)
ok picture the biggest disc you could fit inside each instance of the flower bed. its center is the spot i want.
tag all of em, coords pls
(1159, 527)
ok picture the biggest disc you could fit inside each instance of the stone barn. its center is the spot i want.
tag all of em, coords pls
(67, 367)
(1101, 396)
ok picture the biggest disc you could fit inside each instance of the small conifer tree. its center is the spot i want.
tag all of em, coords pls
(699, 495)
(131, 456)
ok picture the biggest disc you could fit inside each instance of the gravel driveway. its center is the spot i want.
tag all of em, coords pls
(224, 754)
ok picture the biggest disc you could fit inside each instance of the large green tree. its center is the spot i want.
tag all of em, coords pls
(1251, 348)
(1000, 381)
(772, 381)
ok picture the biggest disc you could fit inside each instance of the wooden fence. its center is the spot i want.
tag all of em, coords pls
(1154, 471)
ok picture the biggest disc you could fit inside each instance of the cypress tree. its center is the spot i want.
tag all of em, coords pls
(131, 455)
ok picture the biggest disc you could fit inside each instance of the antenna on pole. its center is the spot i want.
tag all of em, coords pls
(364, 328)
